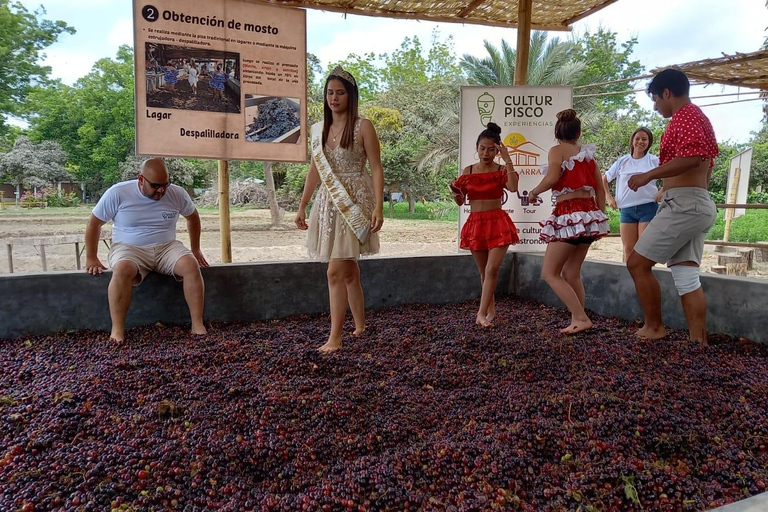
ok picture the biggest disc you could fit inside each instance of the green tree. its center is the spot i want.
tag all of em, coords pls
(607, 61)
(93, 120)
(23, 37)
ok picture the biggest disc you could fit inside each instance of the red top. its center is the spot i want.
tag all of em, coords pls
(576, 173)
(484, 185)
(688, 134)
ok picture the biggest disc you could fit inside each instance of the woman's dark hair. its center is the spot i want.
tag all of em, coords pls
(492, 131)
(348, 135)
(632, 139)
(568, 125)
(673, 79)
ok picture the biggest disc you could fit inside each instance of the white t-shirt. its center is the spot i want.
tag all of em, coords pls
(625, 167)
(139, 220)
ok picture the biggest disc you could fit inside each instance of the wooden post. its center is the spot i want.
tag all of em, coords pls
(226, 236)
(731, 199)
(274, 208)
(523, 41)
(9, 248)
(42, 256)
(77, 254)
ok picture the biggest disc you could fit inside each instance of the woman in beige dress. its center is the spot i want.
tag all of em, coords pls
(347, 212)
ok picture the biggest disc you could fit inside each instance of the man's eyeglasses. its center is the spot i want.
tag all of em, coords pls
(155, 185)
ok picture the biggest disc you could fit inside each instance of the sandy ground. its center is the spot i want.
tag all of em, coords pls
(253, 240)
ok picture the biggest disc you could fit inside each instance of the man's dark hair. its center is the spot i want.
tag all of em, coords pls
(673, 79)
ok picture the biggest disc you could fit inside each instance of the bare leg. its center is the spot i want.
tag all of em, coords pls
(119, 292)
(194, 290)
(495, 257)
(481, 260)
(355, 295)
(337, 294)
(695, 309)
(572, 272)
(557, 255)
(649, 293)
(629, 235)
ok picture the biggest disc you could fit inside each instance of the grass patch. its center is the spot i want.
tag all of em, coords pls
(750, 227)
(442, 211)
(52, 211)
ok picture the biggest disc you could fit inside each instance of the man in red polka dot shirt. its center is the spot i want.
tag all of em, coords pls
(676, 234)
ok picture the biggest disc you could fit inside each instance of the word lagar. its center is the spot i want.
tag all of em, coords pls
(423, 412)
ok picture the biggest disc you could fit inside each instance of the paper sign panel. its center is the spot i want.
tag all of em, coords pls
(527, 116)
(224, 79)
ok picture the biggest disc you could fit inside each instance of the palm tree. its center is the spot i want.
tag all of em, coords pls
(549, 63)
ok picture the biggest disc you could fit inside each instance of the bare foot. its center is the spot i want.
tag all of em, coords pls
(482, 321)
(577, 326)
(651, 334)
(491, 314)
(199, 329)
(332, 345)
(358, 331)
(117, 336)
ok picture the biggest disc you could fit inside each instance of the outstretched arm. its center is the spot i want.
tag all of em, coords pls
(599, 191)
(310, 184)
(194, 228)
(373, 152)
(92, 231)
(674, 167)
(553, 174)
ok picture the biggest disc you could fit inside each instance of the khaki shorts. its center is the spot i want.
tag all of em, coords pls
(677, 232)
(160, 258)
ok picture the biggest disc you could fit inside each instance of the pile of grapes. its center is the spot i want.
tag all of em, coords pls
(424, 411)
(276, 117)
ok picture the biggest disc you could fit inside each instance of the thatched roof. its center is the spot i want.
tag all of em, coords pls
(741, 70)
(545, 14)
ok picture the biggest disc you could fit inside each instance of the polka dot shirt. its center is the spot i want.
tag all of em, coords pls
(688, 134)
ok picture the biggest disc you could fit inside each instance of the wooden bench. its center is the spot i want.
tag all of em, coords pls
(40, 242)
(33, 204)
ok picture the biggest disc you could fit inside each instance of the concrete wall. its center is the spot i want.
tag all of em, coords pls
(47, 303)
(735, 305)
(51, 302)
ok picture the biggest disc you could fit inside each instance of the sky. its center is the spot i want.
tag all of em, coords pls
(668, 32)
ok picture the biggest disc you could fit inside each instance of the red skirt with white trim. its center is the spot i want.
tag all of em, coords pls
(575, 218)
(486, 230)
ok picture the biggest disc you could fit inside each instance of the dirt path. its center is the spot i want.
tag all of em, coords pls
(253, 240)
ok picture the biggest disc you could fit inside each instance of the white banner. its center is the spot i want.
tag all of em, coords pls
(741, 161)
(224, 79)
(526, 115)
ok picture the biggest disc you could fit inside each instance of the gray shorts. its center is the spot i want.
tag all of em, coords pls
(677, 232)
(160, 258)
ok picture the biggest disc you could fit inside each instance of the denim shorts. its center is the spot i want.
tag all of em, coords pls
(640, 213)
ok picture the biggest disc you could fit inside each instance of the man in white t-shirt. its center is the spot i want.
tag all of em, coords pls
(144, 212)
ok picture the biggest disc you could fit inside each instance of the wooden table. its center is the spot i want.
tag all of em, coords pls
(40, 242)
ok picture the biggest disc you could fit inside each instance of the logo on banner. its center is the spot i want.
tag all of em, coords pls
(523, 152)
(485, 105)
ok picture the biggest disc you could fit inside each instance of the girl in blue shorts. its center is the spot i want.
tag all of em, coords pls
(637, 208)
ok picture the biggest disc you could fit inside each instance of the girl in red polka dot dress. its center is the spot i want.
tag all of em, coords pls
(578, 218)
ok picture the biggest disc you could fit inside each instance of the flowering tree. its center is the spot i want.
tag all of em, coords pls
(33, 165)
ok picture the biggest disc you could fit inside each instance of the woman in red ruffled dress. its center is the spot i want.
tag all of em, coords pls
(488, 231)
(578, 218)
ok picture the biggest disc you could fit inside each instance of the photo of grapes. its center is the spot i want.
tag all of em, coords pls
(191, 78)
(272, 119)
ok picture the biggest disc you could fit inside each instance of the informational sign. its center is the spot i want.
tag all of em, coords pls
(224, 79)
(740, 166)
(527, 116)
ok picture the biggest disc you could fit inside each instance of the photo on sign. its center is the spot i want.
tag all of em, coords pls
(272, 119)
(188, 78)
